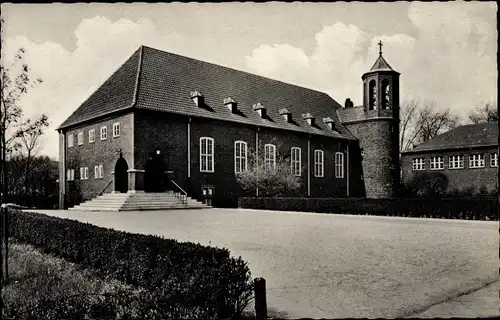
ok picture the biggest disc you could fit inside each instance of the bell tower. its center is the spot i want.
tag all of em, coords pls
(376, 125)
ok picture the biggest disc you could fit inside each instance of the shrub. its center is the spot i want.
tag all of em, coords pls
(447, 208)
(182, 279)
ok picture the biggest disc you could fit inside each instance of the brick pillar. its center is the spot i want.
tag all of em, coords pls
(135, 180)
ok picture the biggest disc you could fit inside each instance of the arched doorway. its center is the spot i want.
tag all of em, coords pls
(121, 175)
(155, 179)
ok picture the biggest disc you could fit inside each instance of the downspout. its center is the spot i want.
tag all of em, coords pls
(309, 166)
(257, 159)
(62, 172)
(347, 168)
(189, 147)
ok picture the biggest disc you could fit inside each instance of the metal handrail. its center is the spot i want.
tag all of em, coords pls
(182, 197)
(107, 185)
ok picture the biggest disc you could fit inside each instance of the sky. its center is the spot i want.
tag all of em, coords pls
(445, 51)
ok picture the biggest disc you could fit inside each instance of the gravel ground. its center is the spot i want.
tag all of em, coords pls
(319, 265)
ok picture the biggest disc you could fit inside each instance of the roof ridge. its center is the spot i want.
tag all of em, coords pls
(137, 78)
(127, 59)
(238, 70)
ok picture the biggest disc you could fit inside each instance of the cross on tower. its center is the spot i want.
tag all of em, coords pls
(380, 45)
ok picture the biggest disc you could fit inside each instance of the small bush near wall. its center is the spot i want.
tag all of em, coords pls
(445, 208)
(183, 280)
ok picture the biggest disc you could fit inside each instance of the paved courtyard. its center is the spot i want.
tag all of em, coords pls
(319, 265)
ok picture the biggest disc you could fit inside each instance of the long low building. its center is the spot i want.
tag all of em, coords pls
(462, 160)
(165, 117)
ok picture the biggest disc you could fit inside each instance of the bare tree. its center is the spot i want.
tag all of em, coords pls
(15, 82)
(271, 181)
(28, 134)
(486, 112)
(421, 122)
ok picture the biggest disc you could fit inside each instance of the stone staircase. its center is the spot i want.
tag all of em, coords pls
(139, 201)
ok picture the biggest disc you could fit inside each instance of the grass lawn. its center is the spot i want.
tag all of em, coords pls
(42, 286)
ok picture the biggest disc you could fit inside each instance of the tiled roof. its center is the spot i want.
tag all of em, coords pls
(351, 114)
(381, 65)
(467, 136)
(116, 93)
(166, 80)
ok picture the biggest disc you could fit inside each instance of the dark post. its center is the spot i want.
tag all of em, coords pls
(260, 298)
(1, 244)
(6, 243)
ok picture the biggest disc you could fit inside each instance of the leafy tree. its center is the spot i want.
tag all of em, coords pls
(486, 112)
(271, 181)
(421, 122)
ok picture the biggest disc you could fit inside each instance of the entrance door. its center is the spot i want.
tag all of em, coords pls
(154, 174)
(121, 175)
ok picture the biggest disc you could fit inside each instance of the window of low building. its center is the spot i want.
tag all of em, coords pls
(437, 163)
(476, 160)
(418, 164)
(456, 162)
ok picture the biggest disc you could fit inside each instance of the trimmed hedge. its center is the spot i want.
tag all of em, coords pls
(445, 208)
(184, 280)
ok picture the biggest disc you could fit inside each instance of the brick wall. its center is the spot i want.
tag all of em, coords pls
(456, 179)
(379, 141)
(104, 152)
(168, 132)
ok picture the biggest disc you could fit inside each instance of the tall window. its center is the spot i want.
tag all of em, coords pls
(80, 138)
(96, 172)
(418, 164)
(493, 159)
(318, 163)
(116, 129)
(372, 98)
(270, 157)
(70, 175)
(81, 174)
(386, 94)
(296, 161)
(70, 140)
(456, 162)
(240, 156)
(101, 171)
(104, 133)
(91, 136)
(437, 163)
(206, 154)
(476, 160)
(339, 165)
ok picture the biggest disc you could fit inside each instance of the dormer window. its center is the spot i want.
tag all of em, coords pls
(230, 104)
(329, 123)
(197, 98)
(261, 110)
(286, 114)
(309, 118)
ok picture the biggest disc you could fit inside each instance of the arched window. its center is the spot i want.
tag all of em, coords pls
(372, 98)
(386, 88)
(240, 156)
(270, 157)
(296, 161)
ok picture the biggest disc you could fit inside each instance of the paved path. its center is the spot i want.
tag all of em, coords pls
(324, 266)
(484, 302)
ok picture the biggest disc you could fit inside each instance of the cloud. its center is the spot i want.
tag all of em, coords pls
(451, 61)
(71, 77)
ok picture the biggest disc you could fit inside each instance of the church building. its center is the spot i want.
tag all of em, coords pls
(165, 121)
